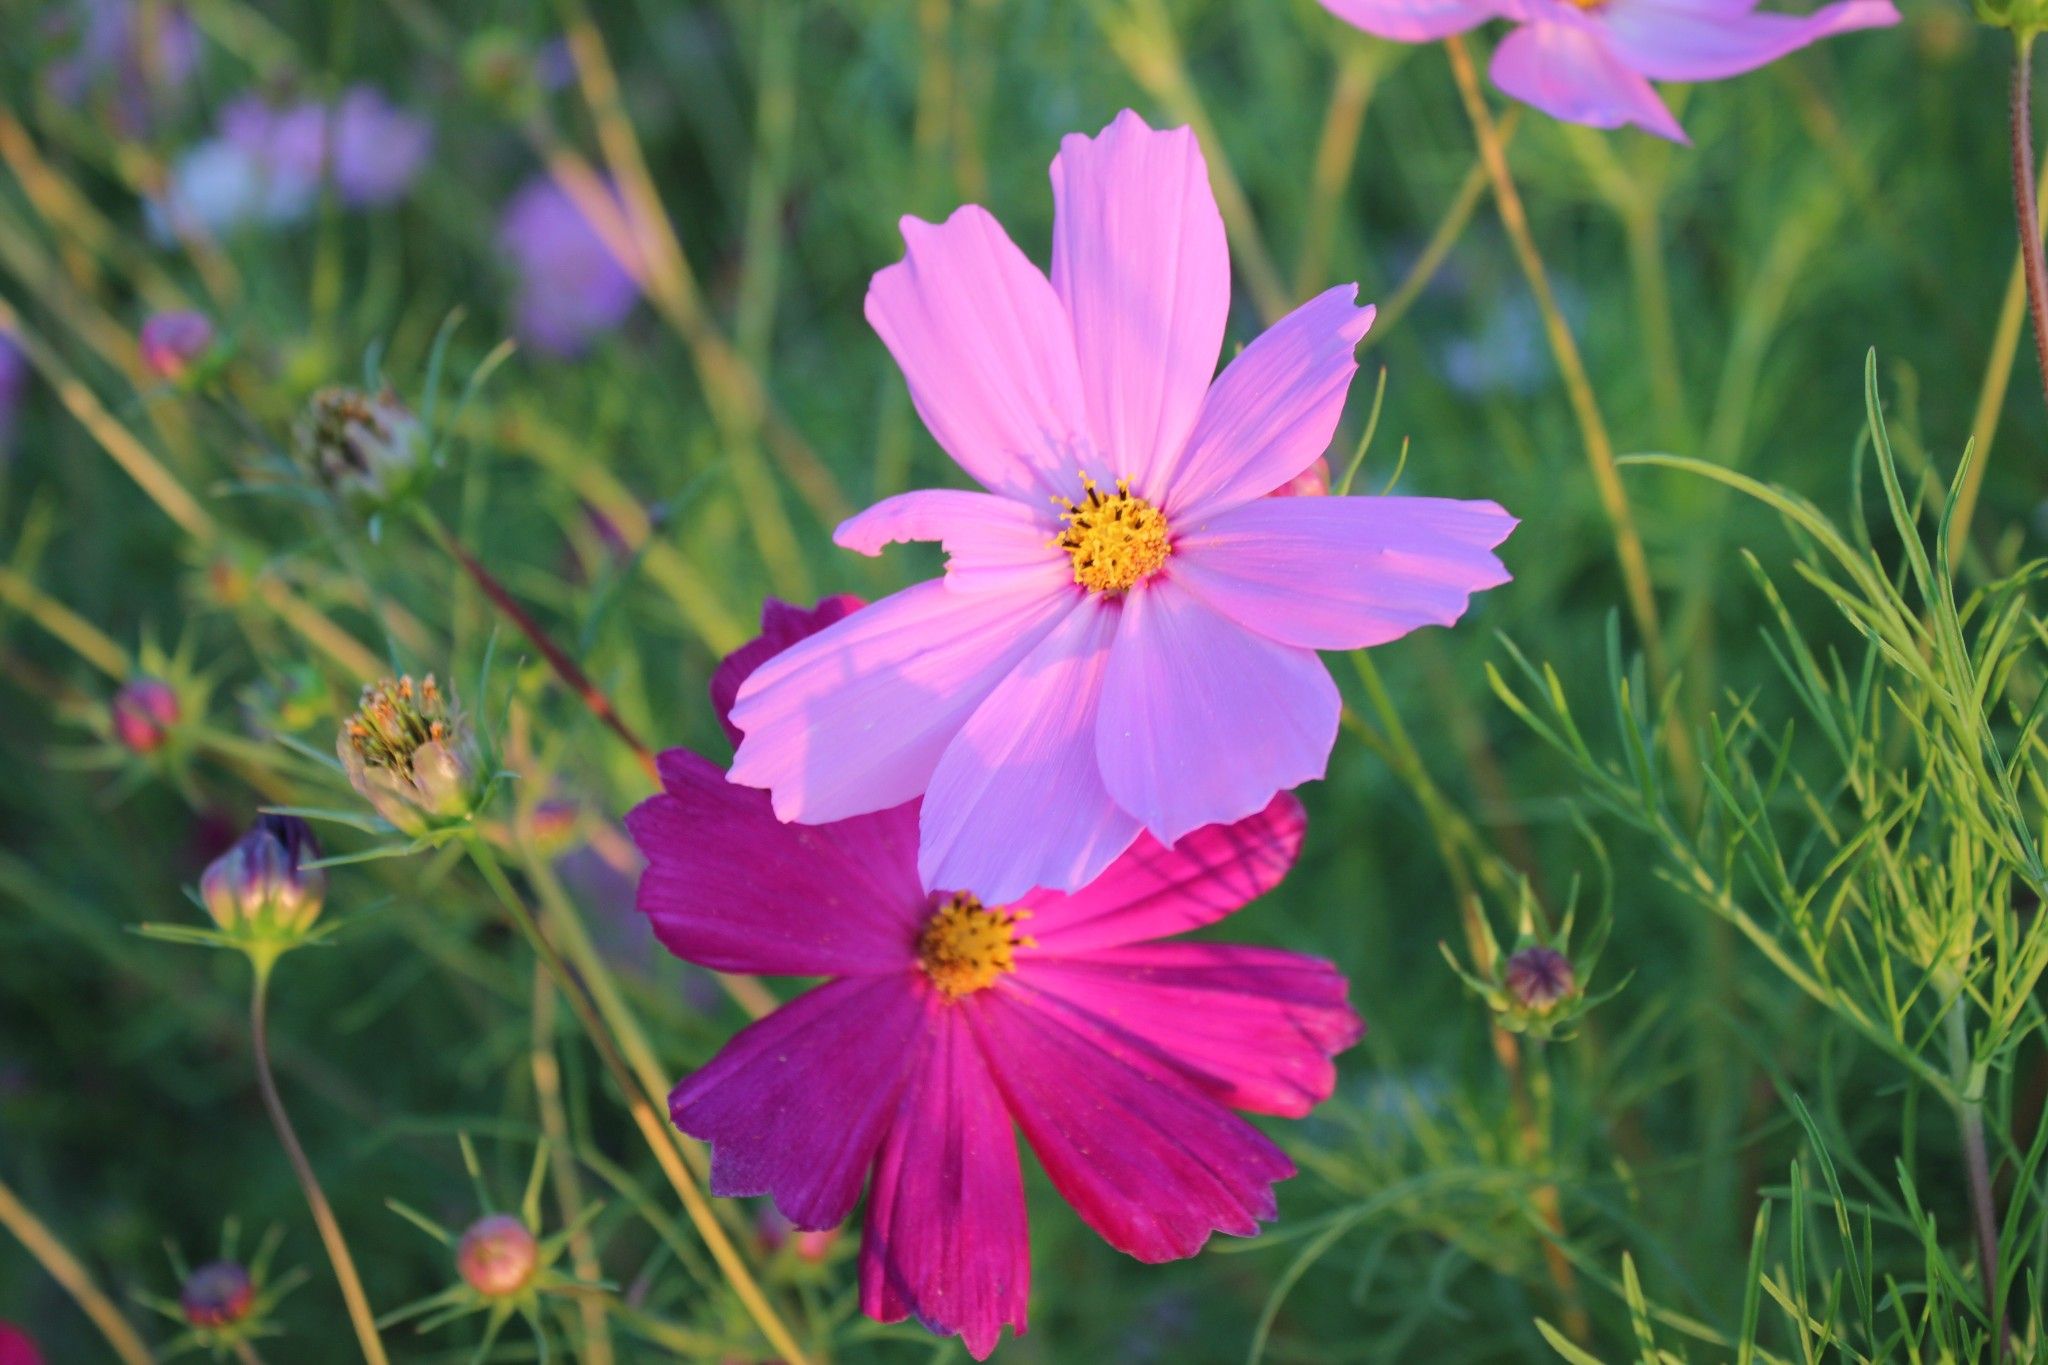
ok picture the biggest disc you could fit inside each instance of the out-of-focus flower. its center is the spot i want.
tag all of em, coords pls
(1592, 61)
(217, 1294)
(137, 57)
(379, 149)
(806, 1244)
(498, 1256)
(1313, 482)
(13, 384)
(409, 752)
(1150, 654)
(367, 449)
(261, 886)
(572, 285)
(143, 714)
(171, 342)
(949, 1020)
(16, 1347)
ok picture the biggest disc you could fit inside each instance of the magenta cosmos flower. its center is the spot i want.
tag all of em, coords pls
(950, 1020)
(1592, 61)
(1125, 637)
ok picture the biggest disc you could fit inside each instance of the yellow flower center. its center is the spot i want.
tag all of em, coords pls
(1115, 539)
(965, 946)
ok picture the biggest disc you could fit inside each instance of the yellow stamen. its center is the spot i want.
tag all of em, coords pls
(1116, 540)
(965, 947)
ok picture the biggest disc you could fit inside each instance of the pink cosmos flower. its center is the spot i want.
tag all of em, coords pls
(1592, 61)
(949, 1020)
(1125, 638)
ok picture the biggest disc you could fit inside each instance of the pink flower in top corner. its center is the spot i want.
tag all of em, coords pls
(951, 1020)
(1592, 61)
(1125, 637)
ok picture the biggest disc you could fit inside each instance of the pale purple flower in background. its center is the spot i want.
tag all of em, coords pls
(379, 149)
(1592, 61)
(13, 384)
(572, 286)
(171, 341)
(112, 49)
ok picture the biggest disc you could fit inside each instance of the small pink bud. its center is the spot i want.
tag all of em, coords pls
(170, 342)
(1313, 482)
(1538, 977)
(777, 1231)
(144, 710)
(498, 1256)
(16, 1348)
(217, 1294)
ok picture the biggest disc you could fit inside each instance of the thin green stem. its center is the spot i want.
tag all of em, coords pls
(63, 1267)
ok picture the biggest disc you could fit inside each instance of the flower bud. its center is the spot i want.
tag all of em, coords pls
(409, 753)
(172, 342)
(1537, 978)
(1313, 482)
(366, 449)
(777, 1231)
(497, 1256)
(260, 883)
(218, 1294)
(144, 710)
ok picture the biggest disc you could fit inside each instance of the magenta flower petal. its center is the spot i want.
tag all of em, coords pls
(1418, 21)
(1273, 410)
(990, 541)
(989, 355)
(731, 887)
(1709, 40)
(1254, 1028)
(946, 1238)
(1569, 71)
(782, 625)
(1149, 1161)
(1139, 259)
(1018, 800)
(1344, 573)
(796, 1104)
(1201, 720)
(854, 719)
(1154, 891)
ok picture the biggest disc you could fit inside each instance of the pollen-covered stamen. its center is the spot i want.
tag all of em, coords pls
(1115, 539)
(966, 946)
(396, 717)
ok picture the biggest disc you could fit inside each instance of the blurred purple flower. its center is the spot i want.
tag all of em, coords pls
(13, 384)
(572, 286)
(171, 341)
(112, 48)
(379, 149)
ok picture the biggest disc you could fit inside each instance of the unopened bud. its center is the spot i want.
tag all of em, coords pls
(218, 1294)
(410, 754)
(1537, 978)
(144, 710)
(172, 342)
(367, 449)
(262, 883)
(1312, 482)
(498, 1256)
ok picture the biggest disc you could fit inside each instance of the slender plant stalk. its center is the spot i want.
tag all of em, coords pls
(554, 1121)
(56, 1258)
(653, 1127)
(2024, 204)
(1448, 230)
(1968, 1078)
(359, 1314)
(1358, 72)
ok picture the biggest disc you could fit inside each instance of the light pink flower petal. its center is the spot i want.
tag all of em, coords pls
(1018, 801)
(1570, 72)
(988, 352)
(782, 625)
(946, 1238)
(1272, 411)
(1202, 721)
(854, 719)
(796, 1104)
(1154, 891)
(1139, 259)
(1418, 21)
(1255, 1028)
(1147, 1160)
(1710, 40)
(1343, 573)
(728, 886)
(990, 541)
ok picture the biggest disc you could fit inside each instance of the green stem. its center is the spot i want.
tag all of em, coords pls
(1969, 1077)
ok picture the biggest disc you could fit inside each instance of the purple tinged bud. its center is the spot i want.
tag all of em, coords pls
(218, 1294)
(144, 710)
(498, 1256)
(1538, 978)
(171, 342)
(262, 883)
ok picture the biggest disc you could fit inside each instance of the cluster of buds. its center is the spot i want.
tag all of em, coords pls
(367, 449)
(1540, 988)
(410, 754)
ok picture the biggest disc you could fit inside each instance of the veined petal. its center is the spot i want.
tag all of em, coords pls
(730, 887)
(1139, 260)
(946, 1237)
(1155, 891)
(1343, 573)
(990, 541)
(1273, 409)
(1419, 21)
(1569, 71)
(1255, 1028)
(1202, 721)
(854, 719)
(782, 625)
(1149, 1161)
(988, 353)
(796, 1104)
(1710, 40)
(1017, 801)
